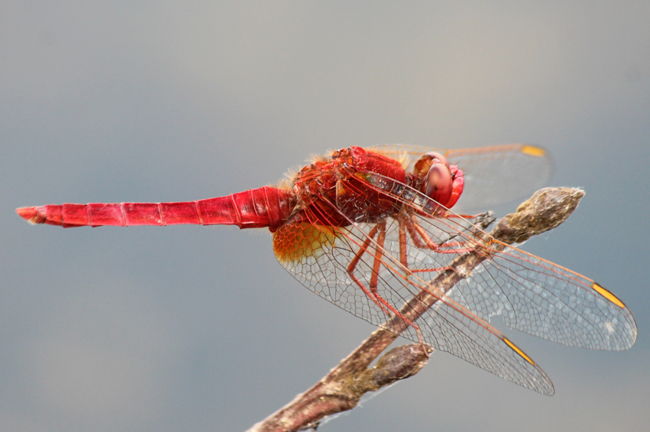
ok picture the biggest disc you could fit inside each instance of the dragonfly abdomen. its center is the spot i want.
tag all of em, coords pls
(254, 208)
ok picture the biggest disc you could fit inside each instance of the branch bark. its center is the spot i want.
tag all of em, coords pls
(343, 387)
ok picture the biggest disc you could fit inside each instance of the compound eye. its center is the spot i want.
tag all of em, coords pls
(436, 157)
(438, 182)
(421, 167)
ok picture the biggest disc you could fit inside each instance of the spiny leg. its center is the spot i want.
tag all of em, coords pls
(403, 258)
(355, 261)
(422, 239)
(379, 253)
(371, 292)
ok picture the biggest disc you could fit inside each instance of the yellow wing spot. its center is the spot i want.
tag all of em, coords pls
(518, 351)
(296, 241)
(608, 295)
(533, 151)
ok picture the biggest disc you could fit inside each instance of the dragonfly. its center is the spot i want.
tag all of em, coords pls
(368, 229)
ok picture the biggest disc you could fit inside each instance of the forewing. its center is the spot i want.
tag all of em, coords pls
(533, 295)
(320, 256)
(548, 301)
(494, 175)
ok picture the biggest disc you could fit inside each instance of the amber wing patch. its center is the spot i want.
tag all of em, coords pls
(296, 241)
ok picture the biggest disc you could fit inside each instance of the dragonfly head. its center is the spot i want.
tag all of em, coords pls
(437, 179)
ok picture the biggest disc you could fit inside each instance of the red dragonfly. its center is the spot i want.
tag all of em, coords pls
(366, 229)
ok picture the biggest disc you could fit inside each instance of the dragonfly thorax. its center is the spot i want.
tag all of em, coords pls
(335, 189)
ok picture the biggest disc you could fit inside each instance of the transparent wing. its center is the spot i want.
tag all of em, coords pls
(548, 301)
(494, 175)
(349, 265)
(320, 258)
(533, 295)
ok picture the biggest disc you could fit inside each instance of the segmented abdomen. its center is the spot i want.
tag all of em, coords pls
(254, 208)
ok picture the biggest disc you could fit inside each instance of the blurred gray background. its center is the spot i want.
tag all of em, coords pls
(199, 329)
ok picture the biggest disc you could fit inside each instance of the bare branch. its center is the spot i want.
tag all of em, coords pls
(343, 387)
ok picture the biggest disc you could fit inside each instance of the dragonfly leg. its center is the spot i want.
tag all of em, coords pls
(406, 227)
(402, 244)
(363, 249)
(482, 220)
(379, 252)
(422, 240)
(371, 290)
(355, 261)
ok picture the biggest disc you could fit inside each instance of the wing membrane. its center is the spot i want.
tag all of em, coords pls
(533, 295)
(421, 242)
(494, 175)
(447, 326)
(545, 300)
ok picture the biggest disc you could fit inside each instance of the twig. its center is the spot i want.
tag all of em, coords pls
(343, 387)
